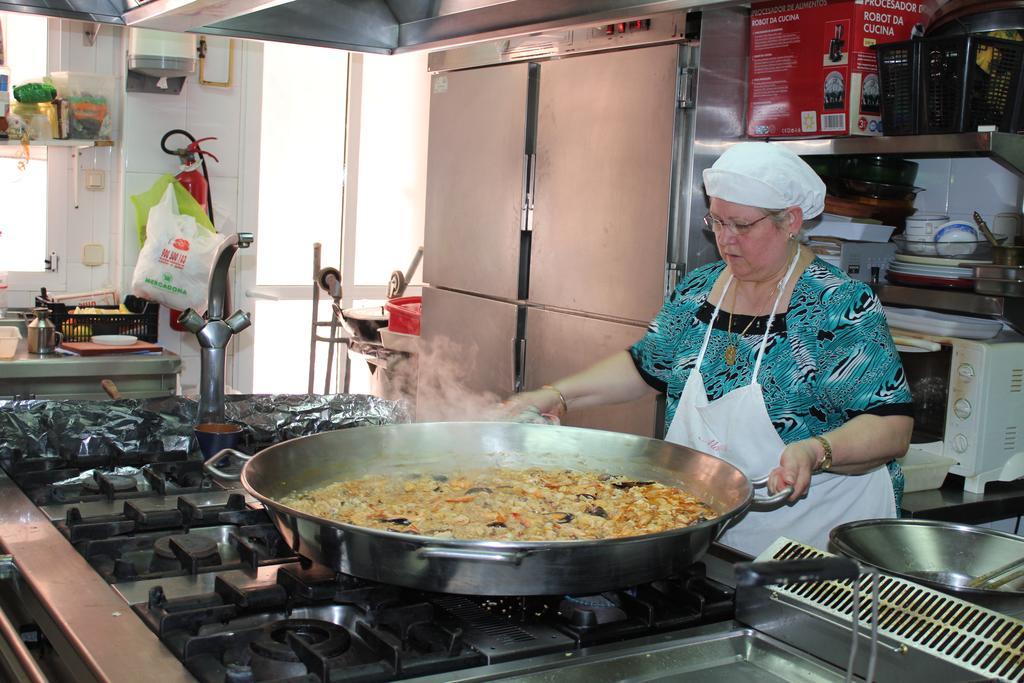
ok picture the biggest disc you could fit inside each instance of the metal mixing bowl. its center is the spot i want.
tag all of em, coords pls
(942, 555)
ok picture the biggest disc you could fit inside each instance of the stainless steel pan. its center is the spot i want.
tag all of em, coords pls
(943, 555)
(490, 567)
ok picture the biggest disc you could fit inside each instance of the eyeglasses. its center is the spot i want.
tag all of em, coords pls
(738, 229)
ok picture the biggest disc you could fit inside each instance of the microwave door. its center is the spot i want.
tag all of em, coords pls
(928, 377)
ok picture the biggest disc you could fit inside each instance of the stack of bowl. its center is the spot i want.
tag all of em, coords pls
(934, 251)
(877, 187)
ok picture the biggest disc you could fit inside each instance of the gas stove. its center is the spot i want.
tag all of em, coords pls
(198, 586)
(210, 576)
(289, 622)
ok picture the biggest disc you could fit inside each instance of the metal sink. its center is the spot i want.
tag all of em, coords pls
(720, 652)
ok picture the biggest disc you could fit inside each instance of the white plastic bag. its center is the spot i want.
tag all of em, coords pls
(176, 261)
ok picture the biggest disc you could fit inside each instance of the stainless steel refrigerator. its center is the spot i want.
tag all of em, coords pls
(558, 200)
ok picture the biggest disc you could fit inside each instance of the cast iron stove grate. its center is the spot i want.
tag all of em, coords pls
(136, 518)
(201, 550)
(395, 633)
(187, 540)
(309, 625)
(47, 482)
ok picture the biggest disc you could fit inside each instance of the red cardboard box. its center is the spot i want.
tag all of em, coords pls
(812, 70)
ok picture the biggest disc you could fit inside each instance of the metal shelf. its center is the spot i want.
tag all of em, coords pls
(80, 144)
(1009, 309)
(1007, 149)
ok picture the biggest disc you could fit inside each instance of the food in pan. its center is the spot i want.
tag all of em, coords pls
(508, 505)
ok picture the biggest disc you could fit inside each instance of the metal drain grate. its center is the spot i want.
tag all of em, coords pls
(985, 642)
(477, 617)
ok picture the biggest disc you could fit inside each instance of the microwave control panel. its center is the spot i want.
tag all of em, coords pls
(985, 410)
(961, 435)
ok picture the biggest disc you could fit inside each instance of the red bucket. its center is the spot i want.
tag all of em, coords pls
(404, 314)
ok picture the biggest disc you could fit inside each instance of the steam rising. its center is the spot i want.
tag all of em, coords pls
(439, 381)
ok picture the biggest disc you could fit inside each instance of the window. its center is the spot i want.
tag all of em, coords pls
(23, 183)
(34, 205)
(392, 167)
(301, 178)
(353, 180)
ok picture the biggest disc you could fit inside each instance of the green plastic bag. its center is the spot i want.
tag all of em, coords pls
(187, 205)
(34, 93)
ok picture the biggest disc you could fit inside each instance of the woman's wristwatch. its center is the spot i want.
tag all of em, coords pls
(825, 464)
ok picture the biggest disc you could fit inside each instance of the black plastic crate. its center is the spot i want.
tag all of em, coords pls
(142, 322)
(970, 81)
(951, 84)
(900, 83)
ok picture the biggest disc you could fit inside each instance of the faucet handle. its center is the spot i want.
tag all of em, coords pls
(238, 321)
(191, 321)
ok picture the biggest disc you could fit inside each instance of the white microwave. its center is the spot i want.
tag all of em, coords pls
(969, 404)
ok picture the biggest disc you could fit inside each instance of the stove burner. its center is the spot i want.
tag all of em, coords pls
(274, 650)
(188, 551)
(195, 545)
(314, 624)
(590, 610)
(117, 482)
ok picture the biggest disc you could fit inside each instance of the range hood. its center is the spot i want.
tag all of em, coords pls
(377, 26)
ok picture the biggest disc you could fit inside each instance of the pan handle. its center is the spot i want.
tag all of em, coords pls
(474, 555)
(220, 455)
(768, 501)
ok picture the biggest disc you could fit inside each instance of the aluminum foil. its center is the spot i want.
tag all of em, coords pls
(85, 475)
(124, 432)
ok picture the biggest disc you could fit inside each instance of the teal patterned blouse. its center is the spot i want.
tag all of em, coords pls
(829, 357)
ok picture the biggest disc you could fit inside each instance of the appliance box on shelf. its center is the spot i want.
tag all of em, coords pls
(812, 69)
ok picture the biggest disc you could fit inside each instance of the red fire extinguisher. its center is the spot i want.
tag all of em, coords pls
(192, 157)
(192, 179)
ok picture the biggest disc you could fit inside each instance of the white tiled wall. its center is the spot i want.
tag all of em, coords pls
(958, 187)
(107, 217)
(204, 112)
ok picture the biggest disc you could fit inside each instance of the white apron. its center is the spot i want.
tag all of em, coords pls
(737, 428)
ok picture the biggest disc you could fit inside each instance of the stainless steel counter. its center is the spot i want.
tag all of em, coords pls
(94, 633)
(58, 376)
(950, 503)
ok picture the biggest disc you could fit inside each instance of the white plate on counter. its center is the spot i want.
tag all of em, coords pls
(114, 339)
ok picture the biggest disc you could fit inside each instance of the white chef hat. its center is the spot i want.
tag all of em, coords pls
(766, 176)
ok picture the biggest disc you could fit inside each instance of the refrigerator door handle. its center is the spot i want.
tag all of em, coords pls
(518, 363)
(531, 194)
(524, 215)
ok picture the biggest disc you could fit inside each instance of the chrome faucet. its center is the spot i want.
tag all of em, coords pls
(214, 331)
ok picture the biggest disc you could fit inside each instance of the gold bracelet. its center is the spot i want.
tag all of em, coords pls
(826, 460)
(565, 404)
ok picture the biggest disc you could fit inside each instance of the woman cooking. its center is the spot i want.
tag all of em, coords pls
(770, 359)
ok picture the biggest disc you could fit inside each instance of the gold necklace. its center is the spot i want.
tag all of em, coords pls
(731, 349)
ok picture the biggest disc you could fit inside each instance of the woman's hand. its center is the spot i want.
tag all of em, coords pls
(796, 465)
(544, 401)
(612, 380)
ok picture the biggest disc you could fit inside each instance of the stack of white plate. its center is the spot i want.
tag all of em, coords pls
(930, 274)
(939, 261)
